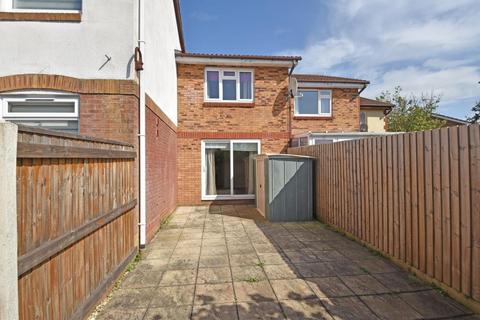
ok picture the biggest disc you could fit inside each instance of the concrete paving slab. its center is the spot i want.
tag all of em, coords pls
(364, 284)
(305, 309)
(214, 275)
(214, 293)
(349, 308)
(196, 268)
(215, 312)
(388, 306)
(172, 296)
(254, 291)
(292, 289)
(178, 277)
(330, 287)
(263, 310)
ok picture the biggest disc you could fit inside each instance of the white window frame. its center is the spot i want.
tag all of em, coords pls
(220, 84)
(203, 170)
(45, 95)
(7, 5)
(319, 97)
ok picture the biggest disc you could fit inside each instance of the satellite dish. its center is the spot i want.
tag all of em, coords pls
(293, 87)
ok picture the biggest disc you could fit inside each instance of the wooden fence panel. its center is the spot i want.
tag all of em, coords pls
(415, 197)
(76, 221)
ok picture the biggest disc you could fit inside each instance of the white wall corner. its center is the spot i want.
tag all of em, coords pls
(8, 221)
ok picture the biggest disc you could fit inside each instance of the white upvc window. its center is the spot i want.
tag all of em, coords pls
(43, 5)
(50, 110)
(228, 85)
(313, 103)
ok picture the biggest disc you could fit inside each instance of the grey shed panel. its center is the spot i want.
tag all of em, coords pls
(287, 187)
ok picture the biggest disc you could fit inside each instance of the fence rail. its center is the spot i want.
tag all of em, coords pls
(413, 196)
(76, 220)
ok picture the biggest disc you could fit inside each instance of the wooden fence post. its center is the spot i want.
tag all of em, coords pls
(8, 221)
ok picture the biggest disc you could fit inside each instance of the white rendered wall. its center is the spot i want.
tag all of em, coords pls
(108, 27)
(161, 36)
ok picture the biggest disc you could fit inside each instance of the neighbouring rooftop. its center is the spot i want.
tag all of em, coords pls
(371, 103)
(327, 79)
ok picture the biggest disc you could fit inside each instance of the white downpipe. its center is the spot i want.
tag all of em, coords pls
(141, 135)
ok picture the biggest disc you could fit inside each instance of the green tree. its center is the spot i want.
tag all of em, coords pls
(413, 113)
(475, 118)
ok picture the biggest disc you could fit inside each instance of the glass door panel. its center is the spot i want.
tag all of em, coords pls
(217, 168)
(243, 167)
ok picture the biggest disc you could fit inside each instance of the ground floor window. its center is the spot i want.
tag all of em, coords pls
(49, 110)
(228, 169)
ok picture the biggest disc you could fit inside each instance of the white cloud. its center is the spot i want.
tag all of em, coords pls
(424, 46)
(450, 83)
(325, 54)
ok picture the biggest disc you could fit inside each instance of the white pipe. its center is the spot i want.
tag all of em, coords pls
(141, 134)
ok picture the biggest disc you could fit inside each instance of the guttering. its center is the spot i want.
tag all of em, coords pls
(233, 61)
(141, 134)
(294, 64)
(340, 85)
(361, 90)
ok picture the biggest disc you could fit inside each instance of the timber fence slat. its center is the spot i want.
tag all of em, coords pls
(413, 196)
(76, 219)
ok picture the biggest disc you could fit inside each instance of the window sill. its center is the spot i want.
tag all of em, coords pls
(312, 117)
(41, 16)
(229, 104)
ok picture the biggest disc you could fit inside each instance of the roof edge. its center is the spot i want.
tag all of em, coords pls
(178, 17)
(449, 118)
(213, 56)
(317, 78)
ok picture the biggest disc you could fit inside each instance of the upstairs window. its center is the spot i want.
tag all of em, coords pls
(229, 85)
(64, 5)
(50, 111)
(314, 103)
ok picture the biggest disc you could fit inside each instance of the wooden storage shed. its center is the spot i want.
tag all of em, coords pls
(284, 187)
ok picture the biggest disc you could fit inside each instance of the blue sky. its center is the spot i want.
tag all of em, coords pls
(425, 46)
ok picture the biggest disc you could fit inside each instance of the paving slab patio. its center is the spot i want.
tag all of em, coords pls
(227, 262)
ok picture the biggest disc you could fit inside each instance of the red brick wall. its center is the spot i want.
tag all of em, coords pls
(266, 119)
(112, 117)
(161, 141)
(116, 117)
(345, 115)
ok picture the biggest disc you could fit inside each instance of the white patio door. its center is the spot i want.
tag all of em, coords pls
(228, 169)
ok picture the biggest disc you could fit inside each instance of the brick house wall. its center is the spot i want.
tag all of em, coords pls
(266, 119)
(345, 115)
(115, 117)
(161, 168)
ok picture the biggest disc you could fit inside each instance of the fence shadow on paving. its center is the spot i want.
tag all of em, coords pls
(227, 261)
(414, 196)
(76, 213)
